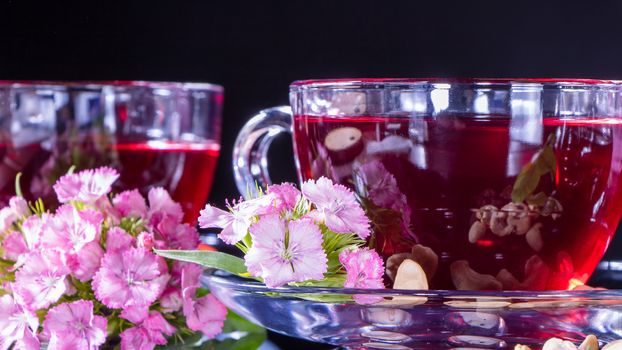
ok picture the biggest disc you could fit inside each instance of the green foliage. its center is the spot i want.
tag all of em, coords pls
(529, 177)
(216, 260)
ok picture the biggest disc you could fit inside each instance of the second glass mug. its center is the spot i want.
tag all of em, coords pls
(511, 184)
(154, 133)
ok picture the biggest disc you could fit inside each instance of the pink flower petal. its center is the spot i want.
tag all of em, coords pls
(41, 281)
(14, 246)
(130, 203)
(162, 205)
(73, 325)
(118, 240)
(287, 196)
(135, 314)
(278, 263)
(206, 315)
(133, 277)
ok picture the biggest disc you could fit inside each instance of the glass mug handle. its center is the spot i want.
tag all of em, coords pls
(250, 163)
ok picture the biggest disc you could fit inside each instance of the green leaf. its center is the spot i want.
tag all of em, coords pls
(537, 199)
(235, 322)
(525, 183)
(249, 342)
(182, 342)
(544, 162)
(216, 260)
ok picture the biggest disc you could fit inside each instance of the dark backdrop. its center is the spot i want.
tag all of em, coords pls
(256, 48)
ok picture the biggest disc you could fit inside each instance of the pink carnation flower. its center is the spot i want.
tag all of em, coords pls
(286, 196)
(41, 281)
(148, 334)
(130, 203)
(73, 326)
(206, 314)
(171, 299)
(286, 253)
(71, 229)
(14, 246)
(86, 186)
(18, 326)
(235, 223)
(364, 269)
(32, 229)
(174, 235)
(161, 205)
(84, 264)
(336, 207)
(134, 277)
(118, 240)
(17, 209)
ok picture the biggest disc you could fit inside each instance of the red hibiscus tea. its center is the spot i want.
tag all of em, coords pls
(485, 202)
(184, 169)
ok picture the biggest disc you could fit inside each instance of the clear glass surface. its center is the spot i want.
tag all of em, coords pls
(155, 133)
(424, 319)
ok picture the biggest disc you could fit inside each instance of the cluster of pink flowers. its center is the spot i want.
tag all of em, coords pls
(289, 236)
(86, 272)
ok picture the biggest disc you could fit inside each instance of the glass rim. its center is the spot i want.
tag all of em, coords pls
(439, 82)
(96, 84)
(224, 279)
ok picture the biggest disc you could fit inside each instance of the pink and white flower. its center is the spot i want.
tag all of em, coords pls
(147, 334)
(286, 196)
(118, 240)
(286, 252)
(41, 281)
(14, 246)
(336, 207)
(133, 277)
(161, 205)
(174, 235)
(18, 207)
(85, 264)
(86, 186)
(364, 270)
(73, 326)
(18, 326)
(205, 314)
(130, 203)
(236, 222)
(71, 229)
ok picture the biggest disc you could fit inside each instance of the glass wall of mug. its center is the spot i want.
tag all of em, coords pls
(488, 184)
(155, 134)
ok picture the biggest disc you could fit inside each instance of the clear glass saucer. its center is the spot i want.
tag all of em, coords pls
(403, 319)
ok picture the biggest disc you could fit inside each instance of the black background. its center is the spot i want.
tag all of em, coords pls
(256, 48)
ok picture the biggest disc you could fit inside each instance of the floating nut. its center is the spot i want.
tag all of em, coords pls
(521, 347)
(499, 225)
(518, 217)
(484, 214)
(465, 278)
(478, 304)
(410, 275)
(427, 258)
(477, 231)
(508, 281)
(558, 344)
(590, 343)
(534, 237)
(344, 144)
(393, 262)
(614, 345)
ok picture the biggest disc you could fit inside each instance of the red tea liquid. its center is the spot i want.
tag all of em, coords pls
(186, 170)
(428, 181)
